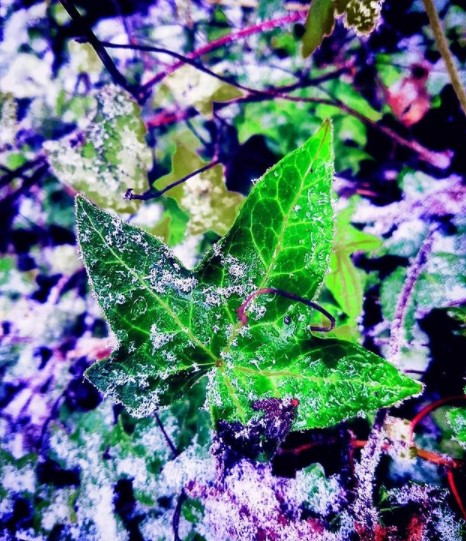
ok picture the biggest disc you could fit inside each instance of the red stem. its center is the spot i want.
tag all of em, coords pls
(226, 40)
(431, 407)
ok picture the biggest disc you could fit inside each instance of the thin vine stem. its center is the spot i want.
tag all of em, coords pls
(154, 194)
(442, 44)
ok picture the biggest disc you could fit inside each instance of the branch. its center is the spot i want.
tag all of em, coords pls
(117, 77)
(185, 59)
(413, 273)
(226, 40)
(155, 194)
(442, 44)
(19, 172)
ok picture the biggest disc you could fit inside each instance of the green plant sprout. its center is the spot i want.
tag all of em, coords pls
(174, 327)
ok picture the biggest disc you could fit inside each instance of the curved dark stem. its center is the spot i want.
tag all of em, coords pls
(306, 81)
(268, 290)
(172, 446)
(181, 58)
(177, 515)
(155, 194)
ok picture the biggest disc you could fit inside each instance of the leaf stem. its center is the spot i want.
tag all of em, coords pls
(242, 316)
(431, 407)
(455, 492)
(155, 194)
(442, 44)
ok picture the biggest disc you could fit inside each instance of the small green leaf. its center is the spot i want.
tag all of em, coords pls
(319, 23)
(345, 281)
(109, 157)
(457, 420)
(173, 326)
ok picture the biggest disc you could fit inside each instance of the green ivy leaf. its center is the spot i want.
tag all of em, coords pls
(319, 23)
(345, 281)
(173, 326)
(109, 157)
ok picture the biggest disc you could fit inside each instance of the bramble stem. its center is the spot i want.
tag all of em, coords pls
(413, 273)
(442, 44)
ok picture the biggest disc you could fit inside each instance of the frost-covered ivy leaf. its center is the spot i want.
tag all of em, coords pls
(319, 23)
(457, 420)
(148, 299)
(211, 207)
(173, 326)
(345, 281)
(109, 157)
(361, 15)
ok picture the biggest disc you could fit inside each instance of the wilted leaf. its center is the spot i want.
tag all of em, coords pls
(109, 157)
(319, 23)
(190, 87)
(174, 326)
(211, 207)
(361, 15)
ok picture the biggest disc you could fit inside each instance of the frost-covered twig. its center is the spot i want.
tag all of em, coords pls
(396, 327)
(177, 515)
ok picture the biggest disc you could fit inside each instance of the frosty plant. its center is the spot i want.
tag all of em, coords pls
(235, 319)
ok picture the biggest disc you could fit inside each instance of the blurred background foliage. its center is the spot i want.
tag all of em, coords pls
(240, 97)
